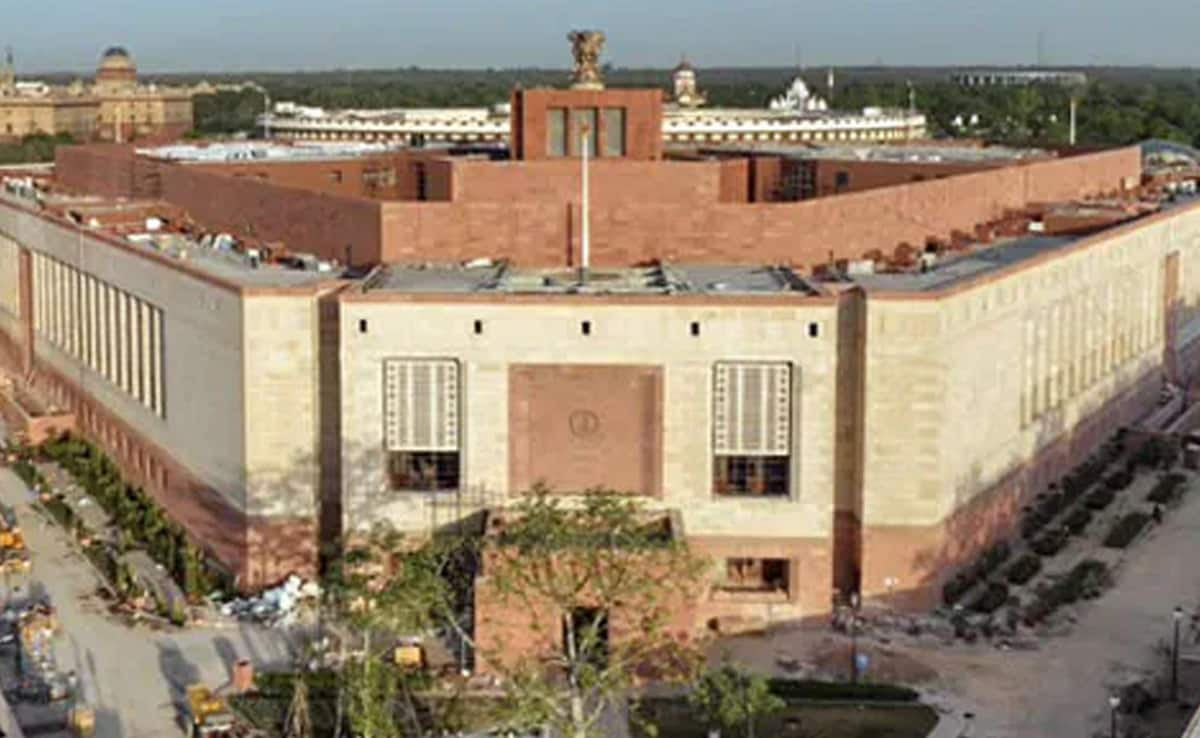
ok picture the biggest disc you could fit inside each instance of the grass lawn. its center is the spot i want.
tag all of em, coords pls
(675, 719)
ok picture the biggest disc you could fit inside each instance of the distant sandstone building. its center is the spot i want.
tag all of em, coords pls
(115, 107)
(798, 116)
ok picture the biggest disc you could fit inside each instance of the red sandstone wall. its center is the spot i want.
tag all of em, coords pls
(101, 169)
(315, 222)
(610, 181)
(804, 233)
(442, 231)
(869, 175)
(346, 177)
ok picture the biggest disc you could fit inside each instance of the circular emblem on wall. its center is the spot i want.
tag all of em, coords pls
(584, 423)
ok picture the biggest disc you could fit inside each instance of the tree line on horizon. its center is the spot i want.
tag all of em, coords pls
(1116, 107)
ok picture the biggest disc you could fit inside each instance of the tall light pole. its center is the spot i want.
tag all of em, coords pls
(1113, 703)
(854, 601)
(585, 230)
(1177, 617)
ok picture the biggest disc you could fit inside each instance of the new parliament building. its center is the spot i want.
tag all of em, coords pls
(837, 370)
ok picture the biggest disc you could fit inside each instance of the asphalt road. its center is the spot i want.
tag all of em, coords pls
(133, 676)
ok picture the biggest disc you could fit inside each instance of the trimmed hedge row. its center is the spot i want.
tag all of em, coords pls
(1119, 480)
(1157, 452)
(811, 689)
(1024, 569)
(1169, 487)
(1126, 529)
(1051, 542)
(991, 599)
(1100, 499)
(1077, 522)
(142, 521)
(1083, 582)
(963, 581)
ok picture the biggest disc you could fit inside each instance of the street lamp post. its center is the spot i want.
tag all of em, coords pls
(1177, 617)
(1113, 703)
(854, 637)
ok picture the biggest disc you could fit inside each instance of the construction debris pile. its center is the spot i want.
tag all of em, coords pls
(33, 629)
(279, 606)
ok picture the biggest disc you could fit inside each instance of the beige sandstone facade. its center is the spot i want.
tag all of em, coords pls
(811, 437)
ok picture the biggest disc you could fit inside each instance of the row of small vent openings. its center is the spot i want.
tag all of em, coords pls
(585, 327)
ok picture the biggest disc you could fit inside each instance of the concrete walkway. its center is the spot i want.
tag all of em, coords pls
(133, 676)
(1061, 688)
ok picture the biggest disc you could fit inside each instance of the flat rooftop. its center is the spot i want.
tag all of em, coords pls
(981, 259)
(965, 267)
(264, 151)
(896, 154)
(224, 261)
(147, 226)
(659, 279)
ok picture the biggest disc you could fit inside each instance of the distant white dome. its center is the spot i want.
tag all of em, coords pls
(798, 98)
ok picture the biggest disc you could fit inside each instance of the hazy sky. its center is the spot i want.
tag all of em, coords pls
(228, 35)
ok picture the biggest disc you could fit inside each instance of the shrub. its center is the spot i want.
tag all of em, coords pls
(1044, 510)
(1126, 529)
(1157, 452)
(178, 614)
(28, 473)
(1118, 480)
(1051, 542)
(141, 520)
(1077, 521)
(1167, 489)
(61, 512)
(1024, 569)
(811, 689)
(1087, 474)
(991, 599)
(958, 586)
(963, 581)
(1086, 580)
(1100, 499)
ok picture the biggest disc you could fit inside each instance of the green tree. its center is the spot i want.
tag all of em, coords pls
(377, 589)
(297, 724)
(572, 576)
(734, 700)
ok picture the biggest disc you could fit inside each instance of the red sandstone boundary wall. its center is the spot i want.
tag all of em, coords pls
(611, 181)
(315, 222)
(804, 234)
(99, 169)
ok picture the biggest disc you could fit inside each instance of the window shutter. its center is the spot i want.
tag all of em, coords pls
(421, 405)
(752, 409)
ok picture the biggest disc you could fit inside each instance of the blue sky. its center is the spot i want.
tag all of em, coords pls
(230, 35)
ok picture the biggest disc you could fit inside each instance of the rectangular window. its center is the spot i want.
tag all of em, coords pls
(752, 428)
(841, 180)
(756, 577)
(556, 132)
(584, 119)
(433, 471)
(421, 423)
(751, 475)
(614, 131)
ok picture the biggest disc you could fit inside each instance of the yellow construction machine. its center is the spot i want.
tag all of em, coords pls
(14, 556)
(208, 714)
